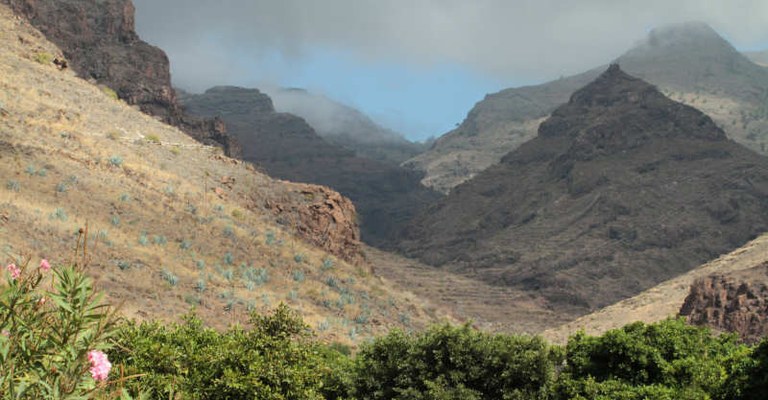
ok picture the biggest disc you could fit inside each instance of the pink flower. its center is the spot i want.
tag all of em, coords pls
(45, 266)
(100, 365)
(14, 271)
(6, 333)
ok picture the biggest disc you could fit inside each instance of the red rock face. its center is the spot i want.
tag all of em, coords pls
(322, 217)
(99, 40)
(736, 302)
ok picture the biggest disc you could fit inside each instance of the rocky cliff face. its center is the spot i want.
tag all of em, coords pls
(323, 218)
(386, 195)
(100, 43)
(735, 302)
(622, 188)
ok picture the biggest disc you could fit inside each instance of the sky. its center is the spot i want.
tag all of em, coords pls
(416, 66)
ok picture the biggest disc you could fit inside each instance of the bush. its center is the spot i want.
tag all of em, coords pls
(47, 334)
(115, 161)
(454, 363)
(671, 355)
(273, 360)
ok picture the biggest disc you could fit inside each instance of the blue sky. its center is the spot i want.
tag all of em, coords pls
(418, 101)
(416, 66)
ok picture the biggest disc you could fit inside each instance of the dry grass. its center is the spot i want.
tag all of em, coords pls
(161, 241)
(491, 308)
(663, 300)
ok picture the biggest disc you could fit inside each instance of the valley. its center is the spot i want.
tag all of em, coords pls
(634, 191)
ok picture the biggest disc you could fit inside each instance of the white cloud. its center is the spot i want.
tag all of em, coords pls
(210, 41)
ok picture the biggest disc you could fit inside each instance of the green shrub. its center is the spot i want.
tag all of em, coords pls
(13, 186)
(50, 320)
(274, 360)
(44, 58)
(457, 362)
(110, 92)
(671, 355)
(152, 138)
(115, 161)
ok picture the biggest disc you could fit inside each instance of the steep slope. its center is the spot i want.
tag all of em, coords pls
(689, 62)
(172, 224)
(99, 42)
(385, 195)
(345, 126)
(622, 189)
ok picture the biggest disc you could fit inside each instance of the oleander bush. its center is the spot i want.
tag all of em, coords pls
(54, 330)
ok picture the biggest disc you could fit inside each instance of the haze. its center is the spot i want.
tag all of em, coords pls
(415, 66)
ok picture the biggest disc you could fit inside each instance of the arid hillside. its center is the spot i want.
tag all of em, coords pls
(667, 299)
(99, 41)
(172, 225)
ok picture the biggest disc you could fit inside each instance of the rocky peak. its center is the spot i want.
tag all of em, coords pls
(617, 112)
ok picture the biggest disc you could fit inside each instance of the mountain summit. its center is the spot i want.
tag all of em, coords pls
(688, 62)
(622, 188)
(639, 111)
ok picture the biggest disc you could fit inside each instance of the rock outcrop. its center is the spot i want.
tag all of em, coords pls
(735, 302)
(385, 195)
(622, 188)
(323, 218)
(100, 43)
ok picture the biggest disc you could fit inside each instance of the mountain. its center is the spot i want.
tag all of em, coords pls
(345, 126)
(758, 57)
(99, 41)
(172, 224)
(622, 188)
(385, 194)
(689, 62)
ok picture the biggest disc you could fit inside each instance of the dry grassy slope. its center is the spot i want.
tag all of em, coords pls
(70, 156)
(665, 299)
(489, 307)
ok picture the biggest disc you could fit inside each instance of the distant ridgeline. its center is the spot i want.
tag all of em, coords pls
(287, 147)
(688, 62)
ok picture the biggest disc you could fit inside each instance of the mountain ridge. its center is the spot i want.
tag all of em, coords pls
(619, 180)
(688, 62)
(286, 146)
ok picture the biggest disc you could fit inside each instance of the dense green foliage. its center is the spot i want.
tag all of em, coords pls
(273, 360)
(454, 363)
(50, 319)
(667, 360)
(51, 322)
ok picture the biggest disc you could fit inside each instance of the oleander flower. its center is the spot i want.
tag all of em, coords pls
(100, 365)
(45, 266)
(14, 271)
